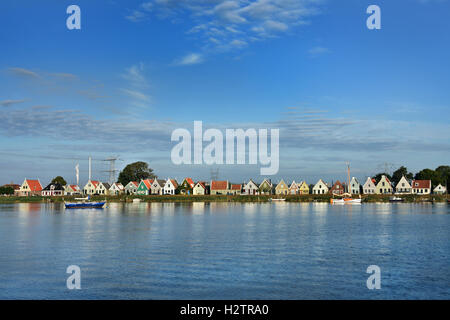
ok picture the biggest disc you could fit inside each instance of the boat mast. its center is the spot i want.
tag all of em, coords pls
(348, 173)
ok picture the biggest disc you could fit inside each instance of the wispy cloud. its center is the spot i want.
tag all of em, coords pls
(7, 103)
(137, 85)
(190, 59)
(21, 72)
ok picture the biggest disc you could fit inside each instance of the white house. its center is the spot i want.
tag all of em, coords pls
(116, 189)
(102, 188)
(421, 186)
(440, 189)
(170, 187)
(250, 188)
(53, 190)
(71, 189)
(354, 186)
(199, 189)
(369, 186)
(131, 187)
(157, 186)
(320, 187)
(90, 187)
(383, 186)
(403, 186)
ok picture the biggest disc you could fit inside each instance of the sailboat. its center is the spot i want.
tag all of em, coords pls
(346, 198)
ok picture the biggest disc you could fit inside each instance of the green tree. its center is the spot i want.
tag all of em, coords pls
(59, 180)
(136, 171)
(6, 190)
(444, 171)
(378, 176)
(428, 174)
(399, 173)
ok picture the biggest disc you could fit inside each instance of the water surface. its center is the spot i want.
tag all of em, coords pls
(225, 251)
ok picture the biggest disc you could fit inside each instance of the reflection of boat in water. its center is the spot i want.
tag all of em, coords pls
(396, 199)
(346, 198)
(84, 203)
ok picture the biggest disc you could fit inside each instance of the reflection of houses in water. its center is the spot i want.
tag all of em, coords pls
(29, 207)
(198, 207)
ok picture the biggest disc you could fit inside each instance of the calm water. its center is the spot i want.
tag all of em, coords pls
(225, 251)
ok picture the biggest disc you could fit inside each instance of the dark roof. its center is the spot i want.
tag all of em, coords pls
(56, 186)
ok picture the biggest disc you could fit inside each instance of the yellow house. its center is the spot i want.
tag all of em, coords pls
(282, 188)
(303, 188)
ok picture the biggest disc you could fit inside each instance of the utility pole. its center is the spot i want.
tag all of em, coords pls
(112, 168)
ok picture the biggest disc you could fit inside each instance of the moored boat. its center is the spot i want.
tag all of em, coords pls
(84, 203)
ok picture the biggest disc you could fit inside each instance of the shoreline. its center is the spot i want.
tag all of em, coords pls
(224, 198)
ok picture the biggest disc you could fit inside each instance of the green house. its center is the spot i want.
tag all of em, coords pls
(144, 187)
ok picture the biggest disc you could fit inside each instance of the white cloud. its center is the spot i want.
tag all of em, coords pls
(190, 59)
(221, 24)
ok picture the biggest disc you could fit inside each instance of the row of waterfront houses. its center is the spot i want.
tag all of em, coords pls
(266, 187)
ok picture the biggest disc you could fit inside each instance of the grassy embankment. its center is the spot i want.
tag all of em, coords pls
(223, 198)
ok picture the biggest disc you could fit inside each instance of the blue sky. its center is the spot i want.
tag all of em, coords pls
(139, 69)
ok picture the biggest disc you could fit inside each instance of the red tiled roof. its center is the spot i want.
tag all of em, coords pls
(34, 185)
(236, 187)
(219, 185)
(421, 184)
(95, 183)
(174, 182)
(148, 183)
(190, 181)
(74, 187)
(202, 184)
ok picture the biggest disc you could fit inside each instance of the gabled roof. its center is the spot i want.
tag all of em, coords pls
(56, 186)
(190, 181)
(174, 182)
(147, 183)
(134, 182)
(421, 184)
(160, 182)
(281, 183)
(202, 184)
(106, 185)
(219, 185)
(236, 186)
(95, 183)
(34, 185)
(73, 187)
(251, 181)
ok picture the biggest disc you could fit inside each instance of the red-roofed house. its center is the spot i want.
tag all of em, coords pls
(236, 189)
(170, 187)
(337, 188)
(90, 187)
(384, 186)
(186, 186)
(144, 187)
(421, 186)
(30, 188)
(71, 189)
(220, 187)
(131, 187)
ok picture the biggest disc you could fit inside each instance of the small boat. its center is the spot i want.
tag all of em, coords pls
(395, 199)
(346, 199)
(277, 199)
(137, 200)
(84, 203)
